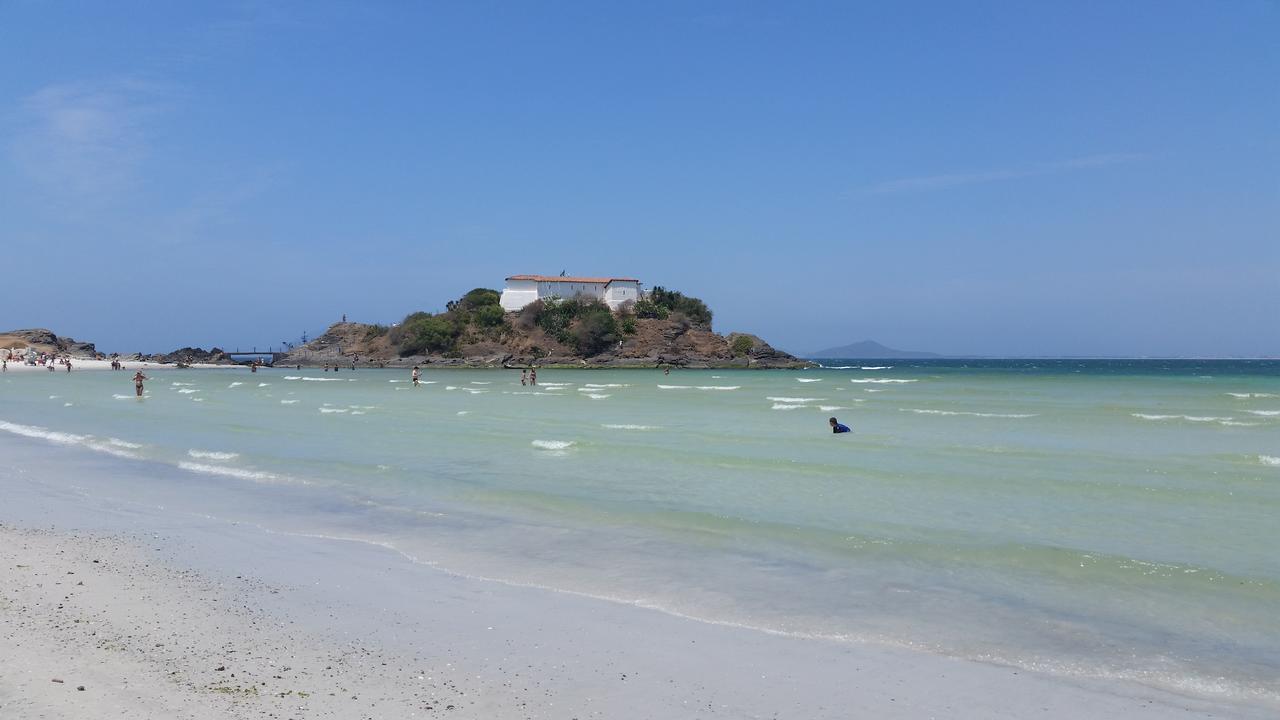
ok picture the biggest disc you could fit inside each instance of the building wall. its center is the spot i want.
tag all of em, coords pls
(519, 293)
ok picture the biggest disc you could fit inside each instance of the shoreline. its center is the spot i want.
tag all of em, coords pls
(302, 600)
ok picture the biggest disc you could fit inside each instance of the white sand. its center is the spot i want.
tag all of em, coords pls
(325, 628)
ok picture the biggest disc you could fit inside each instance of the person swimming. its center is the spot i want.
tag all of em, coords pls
(838, 427)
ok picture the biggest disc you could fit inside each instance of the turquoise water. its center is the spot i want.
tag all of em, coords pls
(1088, 518)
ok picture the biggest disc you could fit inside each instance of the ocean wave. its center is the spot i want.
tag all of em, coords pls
(880, 381)
(112, 446)
(598, 396)
(333, 410)
(212, 455)
(830, 408)
(288, 402)
(124, 443)
(871, 390)
(555, 384)
(794, 399)
(180, 384)
(719, 387)
(1234, 423)
(808, 380)
(234, 384)
(675, 387)
(359, 412)
(462, 412)
(552, 444)
(787, 406)
(197, 399)
(188, 391)
(1269, 460)
(876, 367)
(118, 396)
(1188, 418)
(606, 385)
(263, 384)
(1253, 395)
(299, 377)
(838, 367)
(234, 472)
(618, 426)
(535, 392)
(968, 413)
(1264, 413)
(67, 404)
(481, 382)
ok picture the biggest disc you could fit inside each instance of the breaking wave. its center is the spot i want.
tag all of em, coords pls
(212, 455)
(968, 413)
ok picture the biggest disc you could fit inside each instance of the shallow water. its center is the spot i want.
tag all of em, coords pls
(1087, 518)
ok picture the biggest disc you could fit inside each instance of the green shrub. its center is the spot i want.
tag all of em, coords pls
(650, 310)
(596, 329)
(488, 316)
(742, 345)
(428, 333)
(480, 297)
(677, 302)
(375, 331)
(628, 325)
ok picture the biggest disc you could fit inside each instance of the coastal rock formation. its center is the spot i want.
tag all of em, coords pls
(193, 355)
(43, 340)
(672, 341)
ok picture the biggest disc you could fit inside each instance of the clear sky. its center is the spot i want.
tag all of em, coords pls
(966, 177)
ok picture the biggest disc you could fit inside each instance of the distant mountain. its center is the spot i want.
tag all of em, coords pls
(869, 349)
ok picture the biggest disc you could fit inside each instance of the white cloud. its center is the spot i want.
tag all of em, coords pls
(84, 143)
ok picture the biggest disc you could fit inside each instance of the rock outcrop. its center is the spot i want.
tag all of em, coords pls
(675, 341)
(43, 340)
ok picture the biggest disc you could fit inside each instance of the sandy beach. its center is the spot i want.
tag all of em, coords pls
(160, 613)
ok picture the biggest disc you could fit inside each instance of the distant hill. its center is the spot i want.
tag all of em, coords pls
(870, 349)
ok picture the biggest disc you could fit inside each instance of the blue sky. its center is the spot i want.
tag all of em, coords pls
(968, 177)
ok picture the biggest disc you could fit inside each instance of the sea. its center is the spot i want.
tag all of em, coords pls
(1091, 519)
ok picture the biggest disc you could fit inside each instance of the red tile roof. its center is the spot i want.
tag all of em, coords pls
(556, 278)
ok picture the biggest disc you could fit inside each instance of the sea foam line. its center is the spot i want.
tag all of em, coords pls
(212, 455)
(794, 399)
(966, 412)
(881, 381)
(1269, 460)
(621, 426)
(552, 444)
(234, 472)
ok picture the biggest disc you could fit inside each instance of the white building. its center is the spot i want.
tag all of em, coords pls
(524, 289)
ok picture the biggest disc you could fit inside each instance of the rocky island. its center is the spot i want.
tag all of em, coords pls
(663, 328)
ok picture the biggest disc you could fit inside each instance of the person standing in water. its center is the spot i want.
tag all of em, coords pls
(416, 376)
(138, 377)
(533, 376)
(524, 376)
(838, 427)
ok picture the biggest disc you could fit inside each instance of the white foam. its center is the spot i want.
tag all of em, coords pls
(212, 455)
(1233, 423)
(787, 406)
(234, 384)
(1189, 418)
(124, 443)
(263, 384)
(333, 410)
(180, 384)
(463, 412)
(1269, 460)
(234, 472)
(555, 384)
(188, 391)
(197, 399)
(719, 387)
(1253, 395)
(122, 397)
(829, 408)
(54, 397)
(808, 380)
(794, 399)
(359, 412)
(311, 379)
(1265, 413)
(67, 404)
(968, 413)
(598, 396)
(288, 402)
(675, 387)
(613, 426)
(292, 377)
(872, 390)
(481, 382)
(876, 367)
(606, 385)
(62, 438)
(552, 444)
(880, 381)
